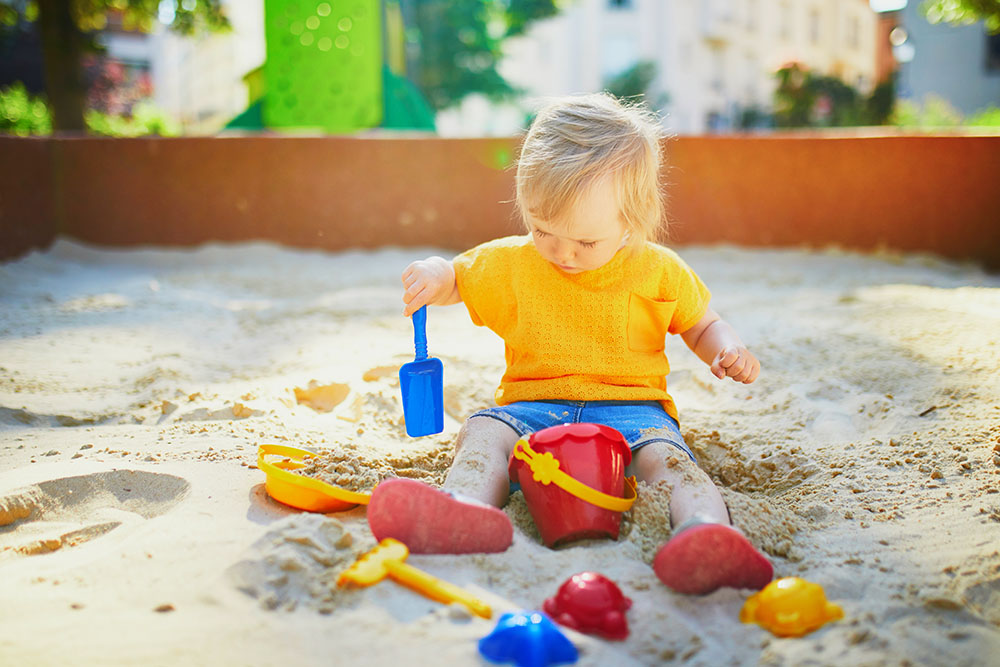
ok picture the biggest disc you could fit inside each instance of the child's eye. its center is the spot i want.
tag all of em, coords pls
(539, 232)
(587, 244)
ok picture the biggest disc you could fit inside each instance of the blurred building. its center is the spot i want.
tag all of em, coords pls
(200, 81)
(960, 64)
(715, 59)
(119, 78)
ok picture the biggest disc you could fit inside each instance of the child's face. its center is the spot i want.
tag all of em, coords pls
(585, 237)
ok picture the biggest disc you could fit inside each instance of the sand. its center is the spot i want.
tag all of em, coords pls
(136, 386)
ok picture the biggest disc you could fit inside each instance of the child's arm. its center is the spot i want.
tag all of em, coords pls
(429, 281)
(716, 343)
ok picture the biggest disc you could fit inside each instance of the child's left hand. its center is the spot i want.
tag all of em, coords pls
(736, 362)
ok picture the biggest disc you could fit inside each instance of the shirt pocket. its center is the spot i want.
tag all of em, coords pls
(648, 320)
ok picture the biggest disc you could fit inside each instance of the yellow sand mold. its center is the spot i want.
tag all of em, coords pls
(790, 607)
(299, 491)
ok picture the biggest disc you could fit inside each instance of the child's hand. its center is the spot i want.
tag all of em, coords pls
(429, 281)
(737, 363)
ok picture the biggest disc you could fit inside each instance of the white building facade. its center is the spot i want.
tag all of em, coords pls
(199, 81)
(714, 58)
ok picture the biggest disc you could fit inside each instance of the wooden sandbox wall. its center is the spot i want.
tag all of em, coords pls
(938, 194)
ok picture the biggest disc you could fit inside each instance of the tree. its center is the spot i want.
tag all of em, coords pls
(520, 13)
(793, 99)
(69, 28)
(633, 82)
(455, 47)
(806, 99)
(963, 12)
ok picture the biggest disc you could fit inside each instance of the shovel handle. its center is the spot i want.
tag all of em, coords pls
(436, 589)
(420, 333)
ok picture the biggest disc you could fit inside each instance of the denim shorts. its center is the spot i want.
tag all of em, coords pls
(641, 422)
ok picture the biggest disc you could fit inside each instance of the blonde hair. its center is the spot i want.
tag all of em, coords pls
(575, 142)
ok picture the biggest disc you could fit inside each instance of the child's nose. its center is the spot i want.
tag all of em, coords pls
(563, 250)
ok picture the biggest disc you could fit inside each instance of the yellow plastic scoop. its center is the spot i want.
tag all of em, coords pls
(299, 491)
(386, 560)
(790, 607)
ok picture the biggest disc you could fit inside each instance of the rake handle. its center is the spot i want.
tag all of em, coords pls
(435, 588)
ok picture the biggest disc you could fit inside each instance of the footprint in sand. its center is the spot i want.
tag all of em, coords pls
(67, 512)
(984, 598)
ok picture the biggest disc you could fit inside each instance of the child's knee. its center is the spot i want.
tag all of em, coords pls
(486, 433)
(662, 460)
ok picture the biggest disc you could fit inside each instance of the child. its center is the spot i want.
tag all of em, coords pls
(583, 302)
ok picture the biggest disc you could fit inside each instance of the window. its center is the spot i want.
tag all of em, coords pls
(853, 31)
(718, 73)
(993, 53)
(714, 121)
(814, 26)
(785, 27)
(751, 76)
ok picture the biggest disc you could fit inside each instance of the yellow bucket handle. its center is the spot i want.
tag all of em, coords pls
(296, 455)
(545, 469)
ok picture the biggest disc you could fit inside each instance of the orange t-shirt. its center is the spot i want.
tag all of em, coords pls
(592, 336)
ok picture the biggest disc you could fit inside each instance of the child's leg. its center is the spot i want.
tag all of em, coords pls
(479, 470)
(705, 552)
(463, 518)
(692, 490)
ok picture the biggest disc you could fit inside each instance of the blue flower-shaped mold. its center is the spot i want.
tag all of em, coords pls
(527, 639)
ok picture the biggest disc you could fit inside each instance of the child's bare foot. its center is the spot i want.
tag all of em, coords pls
(431, 521)
(706, 556)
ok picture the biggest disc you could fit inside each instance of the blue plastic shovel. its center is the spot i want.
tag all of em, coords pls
(422, 383)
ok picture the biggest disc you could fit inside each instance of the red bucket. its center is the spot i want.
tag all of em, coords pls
(594, 457)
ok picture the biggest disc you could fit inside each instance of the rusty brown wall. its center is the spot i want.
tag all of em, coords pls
(924, 193)
(27, 213)
(324, 192)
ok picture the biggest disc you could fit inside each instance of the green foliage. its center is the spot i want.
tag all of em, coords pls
(793, 102)
(937, 113)
(455, 46)
(23, 114)
(633, 82)
(878, 105)
(146, 119)
(69, 29)
(520, 13)
(458, 50)
(12, 11)
(806, 99)
(989, 117)
(190, 16)
(753, 117)
(963, 12)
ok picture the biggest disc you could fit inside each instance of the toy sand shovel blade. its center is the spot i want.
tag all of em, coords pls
(422, 385)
